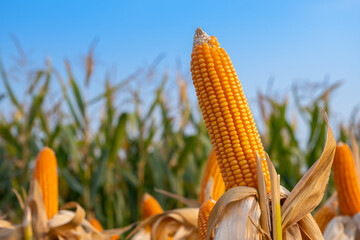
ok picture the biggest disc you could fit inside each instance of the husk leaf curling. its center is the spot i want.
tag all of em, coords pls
(179, 223)
(64, 225)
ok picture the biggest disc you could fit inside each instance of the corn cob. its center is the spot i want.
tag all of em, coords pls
(45, 173)
(346, 180)
(212, 184)
(204, 212)
(226, 112)
(324, 215)
(150, 206)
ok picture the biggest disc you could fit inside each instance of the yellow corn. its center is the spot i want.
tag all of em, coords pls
(226, 112)
(346, 180)
(204, 212)
(212, 184)
(150, 206)
(324, 215)
(45, 173)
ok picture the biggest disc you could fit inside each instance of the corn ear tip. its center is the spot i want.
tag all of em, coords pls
(200, 37)
(145, 196)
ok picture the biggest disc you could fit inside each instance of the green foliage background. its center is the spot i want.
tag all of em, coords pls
(113, 147)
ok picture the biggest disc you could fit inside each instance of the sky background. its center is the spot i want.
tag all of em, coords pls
(287, 41)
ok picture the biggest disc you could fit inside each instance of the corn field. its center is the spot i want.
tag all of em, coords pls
(114, 146)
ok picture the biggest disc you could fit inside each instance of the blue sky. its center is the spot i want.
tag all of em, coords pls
(289, 41)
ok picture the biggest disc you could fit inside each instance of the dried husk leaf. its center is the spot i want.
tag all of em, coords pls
(308, 193)
(234, 195)
(275, 200)
(34, 224)
(263, 199)
(240, 220)
(292, 233)
(142, 234)
(20, 200)
(36, 208)
(67, 220)
(6, 224)
(64, 225)
(343, 228)
(309, 228)
(170, 222)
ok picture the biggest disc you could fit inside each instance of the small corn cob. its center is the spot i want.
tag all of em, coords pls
(45, 173)
(346, 180)
(212, 179)
(324, 215)
(226, 112)
(204, 212)
(150, 206)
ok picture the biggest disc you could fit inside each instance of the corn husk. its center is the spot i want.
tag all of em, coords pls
(64, 225)
(179, 223)
(244, 213)
(343, 228)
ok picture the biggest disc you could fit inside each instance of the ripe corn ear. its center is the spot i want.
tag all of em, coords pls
(204, 212)
(226, 112)
(212, 184)
(323, 216)
(346, 180)
(150, 206)
(45, 173)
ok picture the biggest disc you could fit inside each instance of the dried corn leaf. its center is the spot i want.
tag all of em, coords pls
(35, 206)
(66, 220)
(275, 200)
(237, 195)
(343, 228)
(292, 233)
(34, 224)
(240, 220)
(64, 225)
(142, 234)
(308, 193)
(263, 199)
(169, 223)
(309, 228)
(191, 203)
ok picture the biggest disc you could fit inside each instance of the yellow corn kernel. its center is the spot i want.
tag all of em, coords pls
(204, 212)
(346, 180)
(45, 173)
(226, 112)
(212, 184)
